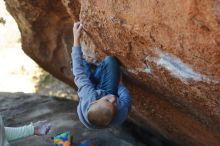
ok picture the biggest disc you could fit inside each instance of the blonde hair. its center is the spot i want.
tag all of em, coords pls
(100, 115)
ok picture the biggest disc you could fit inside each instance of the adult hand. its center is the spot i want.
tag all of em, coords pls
(76, 33)
(41, 128)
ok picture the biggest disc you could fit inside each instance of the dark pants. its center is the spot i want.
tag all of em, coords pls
(106, 76)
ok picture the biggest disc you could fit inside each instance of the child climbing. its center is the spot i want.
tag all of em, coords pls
(104, 102)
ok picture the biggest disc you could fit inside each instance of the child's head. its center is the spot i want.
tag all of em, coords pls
(102, 111)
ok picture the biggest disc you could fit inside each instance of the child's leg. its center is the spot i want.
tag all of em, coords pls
(108, 74)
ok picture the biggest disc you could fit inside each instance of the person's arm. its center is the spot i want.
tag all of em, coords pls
(85, 86)
(124, 96)
(14, 133)
(39, 128)
(124, 105)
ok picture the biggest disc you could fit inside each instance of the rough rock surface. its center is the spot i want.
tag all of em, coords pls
(19, 109)
(169, 50)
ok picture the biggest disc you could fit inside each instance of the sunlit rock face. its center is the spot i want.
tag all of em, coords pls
(170, 52)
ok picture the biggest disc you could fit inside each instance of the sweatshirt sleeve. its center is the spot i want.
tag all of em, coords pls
(14, 133)
(82, 81)
(123, 105)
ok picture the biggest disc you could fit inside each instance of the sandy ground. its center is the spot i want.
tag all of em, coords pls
(19, 73)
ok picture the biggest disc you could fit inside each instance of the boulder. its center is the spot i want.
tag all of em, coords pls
(169, 51)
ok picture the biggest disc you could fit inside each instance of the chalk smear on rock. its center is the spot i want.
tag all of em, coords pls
(177, 68)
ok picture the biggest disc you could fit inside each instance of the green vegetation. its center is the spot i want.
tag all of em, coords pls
(2, 21)
(48, 85)
(46, 78)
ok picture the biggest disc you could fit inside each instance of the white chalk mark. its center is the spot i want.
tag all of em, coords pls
(148, 70)
(145, 69)
(89, 52)
(177, 68)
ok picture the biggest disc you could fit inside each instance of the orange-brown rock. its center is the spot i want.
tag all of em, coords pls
(170, 51)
